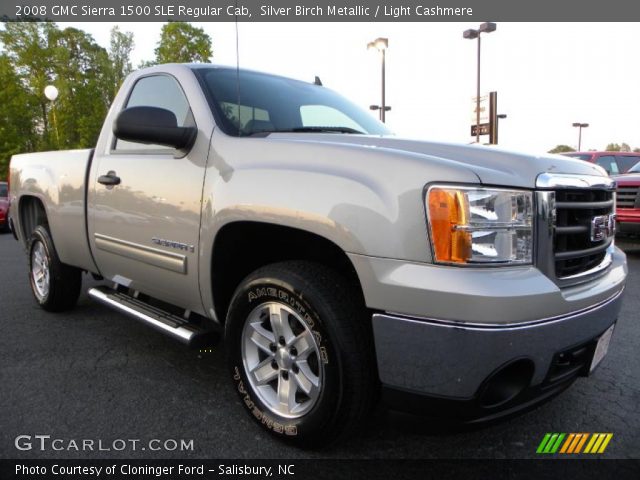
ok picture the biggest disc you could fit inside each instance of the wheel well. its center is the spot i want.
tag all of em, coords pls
(242, 247)
(32, 214)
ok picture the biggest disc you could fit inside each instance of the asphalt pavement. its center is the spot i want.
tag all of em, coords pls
(94, 374)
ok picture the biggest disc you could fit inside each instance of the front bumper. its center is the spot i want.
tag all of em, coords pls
(446, 333)
(445, 361)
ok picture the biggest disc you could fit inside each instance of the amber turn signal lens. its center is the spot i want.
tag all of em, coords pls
(447, 210)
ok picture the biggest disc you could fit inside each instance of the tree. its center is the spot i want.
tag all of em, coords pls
(613, 147)
(41, 54)
(83, 78)
(27, 45)
(181, 42)
(17, 112)
(561, 149)
(120, 49)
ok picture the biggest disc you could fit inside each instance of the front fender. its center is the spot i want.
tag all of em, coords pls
(365, 200)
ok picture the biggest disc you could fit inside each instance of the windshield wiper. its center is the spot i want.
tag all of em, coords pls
(310, 130)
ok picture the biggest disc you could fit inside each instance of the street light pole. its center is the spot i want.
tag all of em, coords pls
(580, 127)
(51, 93)
(381, 44)
(383, 105)
(486, 27)
(478, 95)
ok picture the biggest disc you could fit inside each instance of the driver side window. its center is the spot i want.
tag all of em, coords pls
(160, 91)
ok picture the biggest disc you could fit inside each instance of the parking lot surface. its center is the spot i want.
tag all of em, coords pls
(95, 374)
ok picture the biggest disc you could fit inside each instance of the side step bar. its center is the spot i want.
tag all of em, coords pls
(165, 322)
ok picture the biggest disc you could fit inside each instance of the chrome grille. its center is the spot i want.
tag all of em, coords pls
(573, 226)
(628, 197)
(574, 249)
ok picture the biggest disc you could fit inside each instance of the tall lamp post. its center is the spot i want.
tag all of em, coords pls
(381, 44)
(51, 93)
(486, 27)
(580, 127)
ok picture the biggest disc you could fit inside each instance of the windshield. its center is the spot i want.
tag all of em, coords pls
(269, 103)
(4, 191)
(627, 162)
(635, 168)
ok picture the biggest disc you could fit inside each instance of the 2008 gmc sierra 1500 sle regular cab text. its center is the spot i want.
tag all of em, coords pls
(339, 261)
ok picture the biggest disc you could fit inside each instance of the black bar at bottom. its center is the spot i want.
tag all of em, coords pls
(553, 466)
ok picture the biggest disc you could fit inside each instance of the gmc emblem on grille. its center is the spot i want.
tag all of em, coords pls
(603, 227)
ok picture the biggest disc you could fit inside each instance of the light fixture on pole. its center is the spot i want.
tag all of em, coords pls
(381, 44)
(51, 93)
(486, 27)
(580, 126)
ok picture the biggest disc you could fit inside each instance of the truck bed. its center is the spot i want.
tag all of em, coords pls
(58, 180)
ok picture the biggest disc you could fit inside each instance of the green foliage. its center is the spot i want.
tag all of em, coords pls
(17, 112)
(37, 54)
(120, 49)
(83, 79)
(34, 55)
(181, 42)
(561, 149)
(617, 147)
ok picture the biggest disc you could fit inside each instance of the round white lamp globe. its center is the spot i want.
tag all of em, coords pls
(51, 92)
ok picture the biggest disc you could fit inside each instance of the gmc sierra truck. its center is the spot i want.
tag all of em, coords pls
(340, 263)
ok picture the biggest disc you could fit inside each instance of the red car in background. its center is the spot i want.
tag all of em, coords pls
(4, 206)
(613, 162)
(628, 202)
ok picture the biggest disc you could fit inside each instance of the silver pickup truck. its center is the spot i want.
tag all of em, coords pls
(339, 263)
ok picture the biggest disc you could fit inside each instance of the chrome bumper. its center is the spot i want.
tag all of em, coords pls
(452, 360)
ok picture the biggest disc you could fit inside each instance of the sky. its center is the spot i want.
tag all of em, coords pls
(547, 75)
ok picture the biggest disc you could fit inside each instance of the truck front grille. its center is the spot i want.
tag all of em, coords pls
(628, 197)
(574, 226)
(575, 251)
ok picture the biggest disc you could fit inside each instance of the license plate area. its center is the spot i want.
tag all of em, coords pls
(602, 347)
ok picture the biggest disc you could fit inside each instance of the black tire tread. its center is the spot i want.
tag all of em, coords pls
(355, 337)
(65, 280)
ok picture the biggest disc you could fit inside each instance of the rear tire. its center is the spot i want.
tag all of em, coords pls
(55, 286)
(300, 351)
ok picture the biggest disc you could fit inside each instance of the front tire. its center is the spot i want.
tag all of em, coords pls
(55, 286)
(300, 351)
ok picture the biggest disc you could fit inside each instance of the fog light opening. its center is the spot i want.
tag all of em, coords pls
(506, 383)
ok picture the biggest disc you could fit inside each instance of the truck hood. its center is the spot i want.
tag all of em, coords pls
(492, 165)
(627, 178)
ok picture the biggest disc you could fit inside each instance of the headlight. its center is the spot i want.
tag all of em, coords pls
(470, 225)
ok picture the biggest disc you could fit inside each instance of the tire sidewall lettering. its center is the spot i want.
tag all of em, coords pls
(261, 292)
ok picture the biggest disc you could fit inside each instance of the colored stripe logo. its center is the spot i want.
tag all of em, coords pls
(574, 443)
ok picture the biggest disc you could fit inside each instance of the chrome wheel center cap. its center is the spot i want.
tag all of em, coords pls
(284, 359)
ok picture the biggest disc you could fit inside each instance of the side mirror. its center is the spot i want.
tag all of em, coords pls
(152, 125)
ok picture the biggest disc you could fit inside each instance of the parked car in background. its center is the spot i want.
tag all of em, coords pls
(628, 202)
(4, 206)
(613, 162)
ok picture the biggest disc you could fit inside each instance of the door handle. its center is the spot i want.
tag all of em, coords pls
(109, 179)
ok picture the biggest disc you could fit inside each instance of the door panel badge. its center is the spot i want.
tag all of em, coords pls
(185, 247)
